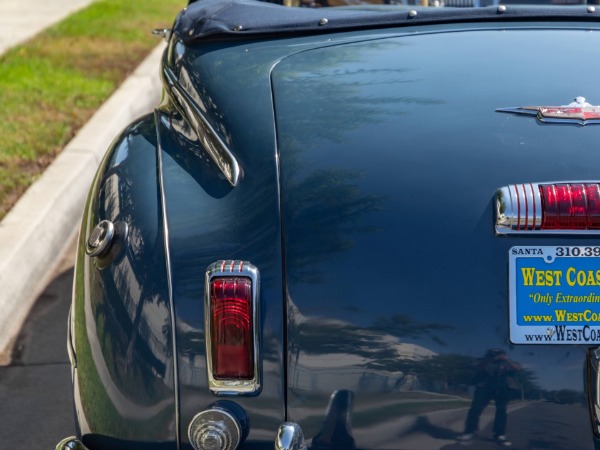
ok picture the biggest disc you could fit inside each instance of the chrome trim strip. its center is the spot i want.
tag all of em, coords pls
(163, 206)
(243, 269)
(70, 349)
(537, 206)
(211, 141)
(593, 386)
(582, 122)
(284, 294)
(290, 437)
(70, 443)
(518, 210)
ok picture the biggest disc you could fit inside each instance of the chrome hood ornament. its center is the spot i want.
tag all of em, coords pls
(577, 112)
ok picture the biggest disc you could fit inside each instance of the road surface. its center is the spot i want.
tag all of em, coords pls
(36, 409)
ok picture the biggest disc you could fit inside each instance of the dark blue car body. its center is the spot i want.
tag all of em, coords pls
(353, 157)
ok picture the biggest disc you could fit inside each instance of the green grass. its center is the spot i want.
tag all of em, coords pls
(51, 85)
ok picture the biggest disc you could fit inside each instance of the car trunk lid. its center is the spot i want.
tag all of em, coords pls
(397, 287)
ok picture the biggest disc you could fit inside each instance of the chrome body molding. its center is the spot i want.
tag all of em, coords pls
(213, 144)
(519, 210)
(290, 437)
(70, 347)
(70, 443)
(226, 268)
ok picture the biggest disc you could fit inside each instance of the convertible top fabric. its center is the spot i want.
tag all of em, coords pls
(238, 18)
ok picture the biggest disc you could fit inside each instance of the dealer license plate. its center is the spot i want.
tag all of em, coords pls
(554, 295)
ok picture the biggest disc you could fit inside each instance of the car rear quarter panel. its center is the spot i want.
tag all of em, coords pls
(209, 219)
(124, 379)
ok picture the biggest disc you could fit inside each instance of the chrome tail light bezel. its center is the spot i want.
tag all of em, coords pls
(233, 387)
(519, 210)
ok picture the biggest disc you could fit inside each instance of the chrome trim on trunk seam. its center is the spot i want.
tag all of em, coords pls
(167, 249)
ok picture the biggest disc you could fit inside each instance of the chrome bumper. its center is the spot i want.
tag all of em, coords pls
(289, 437)
(70, 443)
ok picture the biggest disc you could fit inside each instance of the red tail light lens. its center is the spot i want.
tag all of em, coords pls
(232, 328)
(570, 206)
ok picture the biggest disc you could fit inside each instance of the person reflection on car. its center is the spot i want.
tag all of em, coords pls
(494, 380)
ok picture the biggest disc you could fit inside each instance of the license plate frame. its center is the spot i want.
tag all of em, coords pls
(554, 295)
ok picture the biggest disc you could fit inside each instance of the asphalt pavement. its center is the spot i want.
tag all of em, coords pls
(37, 397)
(35, 233)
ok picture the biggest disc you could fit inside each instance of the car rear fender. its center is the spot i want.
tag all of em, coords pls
(121, 315)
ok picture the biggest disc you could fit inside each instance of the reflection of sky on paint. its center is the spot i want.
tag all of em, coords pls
(433, 256)
(420, 273)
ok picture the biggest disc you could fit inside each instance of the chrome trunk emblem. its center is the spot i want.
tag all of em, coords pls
(577, 112)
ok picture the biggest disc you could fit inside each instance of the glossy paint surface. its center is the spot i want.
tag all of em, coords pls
(124, 380)
(369, 163)
(391, 152)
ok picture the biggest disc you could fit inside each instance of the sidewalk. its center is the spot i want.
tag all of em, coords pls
(34, 234)
(22, 20)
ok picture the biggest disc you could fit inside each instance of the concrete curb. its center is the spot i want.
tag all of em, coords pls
(34, 234)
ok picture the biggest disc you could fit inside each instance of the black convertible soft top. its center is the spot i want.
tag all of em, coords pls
(238, 18)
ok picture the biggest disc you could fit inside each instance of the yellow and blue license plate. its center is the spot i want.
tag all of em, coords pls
(554, 294)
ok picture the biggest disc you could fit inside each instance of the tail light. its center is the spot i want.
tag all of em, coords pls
(231, 314)
(553, 208)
